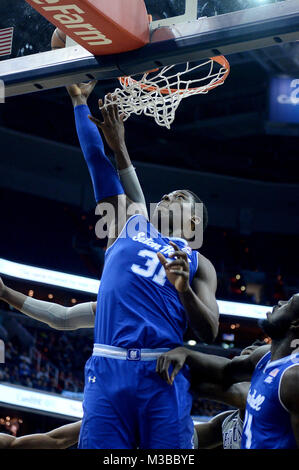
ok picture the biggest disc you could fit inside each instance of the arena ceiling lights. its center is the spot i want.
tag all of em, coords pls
(89, 285)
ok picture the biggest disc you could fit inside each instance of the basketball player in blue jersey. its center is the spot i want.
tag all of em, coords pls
(152, 287)
(272, 410)
(225, 429)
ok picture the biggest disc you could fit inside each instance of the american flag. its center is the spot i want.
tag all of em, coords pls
(6, 36)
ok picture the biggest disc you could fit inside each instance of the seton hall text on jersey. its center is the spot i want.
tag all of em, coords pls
(254, 401)
(142, 238)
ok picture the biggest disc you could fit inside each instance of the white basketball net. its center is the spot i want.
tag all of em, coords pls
(158, 94)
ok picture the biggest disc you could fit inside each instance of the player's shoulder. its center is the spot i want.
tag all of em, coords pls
(289, 387)
(291, 374)
(205, 268)
(262, 352)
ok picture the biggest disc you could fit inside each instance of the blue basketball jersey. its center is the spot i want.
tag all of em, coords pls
(267, 421)
(137, 305)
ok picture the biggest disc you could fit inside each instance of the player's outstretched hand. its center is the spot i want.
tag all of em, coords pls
(177, 271)
(80, 92)
(177, 358)
(112, 125)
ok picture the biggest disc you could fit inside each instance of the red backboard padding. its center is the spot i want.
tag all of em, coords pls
(101, 26)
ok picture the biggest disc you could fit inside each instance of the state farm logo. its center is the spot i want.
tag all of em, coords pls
(293, 97)
(71, 17)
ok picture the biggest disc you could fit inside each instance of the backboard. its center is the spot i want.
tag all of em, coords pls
(181, 31)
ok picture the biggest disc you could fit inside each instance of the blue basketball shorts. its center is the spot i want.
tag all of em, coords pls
(128, 406)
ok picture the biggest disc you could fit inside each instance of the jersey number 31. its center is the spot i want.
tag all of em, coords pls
(150, 267)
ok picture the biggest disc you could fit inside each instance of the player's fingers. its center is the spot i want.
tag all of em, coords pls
(159, 360)
(174, 246)
(166, 365)
(110, 108)
(179, 273)
(161, 367)
(116, 112)
(175, 371)
(103, 110)
(180, 253)
(162, 259)
(115, 108)
(176, 262)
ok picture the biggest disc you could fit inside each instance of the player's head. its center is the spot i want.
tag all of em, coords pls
(283, 321)
(181, 211)
(249, 349)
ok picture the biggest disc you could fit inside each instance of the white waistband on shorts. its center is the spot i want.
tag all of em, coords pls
(132, 354)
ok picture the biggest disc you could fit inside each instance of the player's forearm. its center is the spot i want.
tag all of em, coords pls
(13, 298)
(103, 174)
(235, 395)
(54, 315)
(65, 436)
(207, 367)
(60, 438)
(122, 156)
(128, 176)
(203, 321)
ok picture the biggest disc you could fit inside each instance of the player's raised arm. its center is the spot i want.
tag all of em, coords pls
(114, 132)
(60, 438)
(208, 367)
(54, 315)
(108, 191)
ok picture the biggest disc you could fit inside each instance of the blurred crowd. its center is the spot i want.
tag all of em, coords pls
(55, 363)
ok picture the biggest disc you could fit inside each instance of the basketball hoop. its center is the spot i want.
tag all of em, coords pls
(159, 92)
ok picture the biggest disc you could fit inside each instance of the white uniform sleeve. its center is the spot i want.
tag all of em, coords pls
(131, 185)
(59, 317)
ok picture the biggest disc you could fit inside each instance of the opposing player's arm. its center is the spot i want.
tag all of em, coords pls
(208, 367)
(54, 315)
(209, 434)
(289, 393)
(60, 438)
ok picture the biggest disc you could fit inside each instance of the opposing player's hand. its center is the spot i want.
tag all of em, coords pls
(177, 358)
(80, 92)
(112, 125)
(177, 271)
(2, 287)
